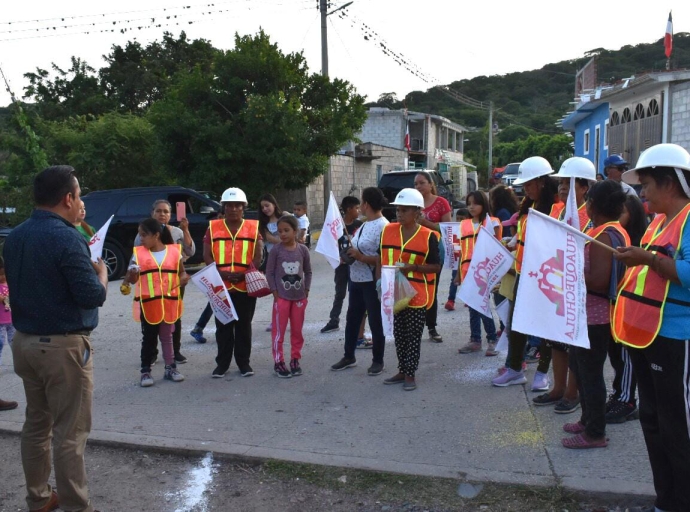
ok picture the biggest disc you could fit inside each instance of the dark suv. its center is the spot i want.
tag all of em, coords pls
(130, 205)
(393, 182)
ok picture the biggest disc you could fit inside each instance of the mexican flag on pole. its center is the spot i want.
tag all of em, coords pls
(551, 297)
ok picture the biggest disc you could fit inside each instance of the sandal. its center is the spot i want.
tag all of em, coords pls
(578, 442)
(364, 343)
(574, 428)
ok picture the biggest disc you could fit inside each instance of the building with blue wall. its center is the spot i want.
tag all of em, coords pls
(589, 124)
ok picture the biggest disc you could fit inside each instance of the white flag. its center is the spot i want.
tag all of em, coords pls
(97, 241)
(387, 298)
(490, 262)
(330, 234)
(572, 215)
(551, 298)
(208, 280)
(450, 236)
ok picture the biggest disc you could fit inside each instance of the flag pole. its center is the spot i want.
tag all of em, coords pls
(573, 231)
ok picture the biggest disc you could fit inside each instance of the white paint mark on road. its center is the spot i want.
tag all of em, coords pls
(193, 496)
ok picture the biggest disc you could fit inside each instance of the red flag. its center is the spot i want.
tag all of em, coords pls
(668, 37)
(407, 136)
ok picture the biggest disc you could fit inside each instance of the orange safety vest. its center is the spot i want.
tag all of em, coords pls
(157, 292)
(582, 216)
(639, 310)
(237, 255)
(412, 252)
(468, 237)
(522, 229)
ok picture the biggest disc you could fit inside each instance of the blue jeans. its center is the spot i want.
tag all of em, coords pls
(453, 287)
(476, 319)
(206, 315)
(6, 334)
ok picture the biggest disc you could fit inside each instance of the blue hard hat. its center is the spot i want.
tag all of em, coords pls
(615, 161)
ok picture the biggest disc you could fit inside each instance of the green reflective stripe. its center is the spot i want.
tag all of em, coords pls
(221, 250)
(640, 280)
(149, 280)
(390, 257)
(245, 250)
(411, 262)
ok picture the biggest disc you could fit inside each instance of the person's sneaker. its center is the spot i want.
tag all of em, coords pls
(611, 401)
(502, 370)
(180, 359)
(509, 378)
(409, 385)
(281, 371)
(218, 373)
(51, 505)
(434, 336)
(450, 305)
(363, 343)
(491, 350)
(330, 326)
(246, 371)
(395, 379)
(472, 346)
(295, 368)
(532, 355)
(375, 369)
(567, 406)
(344, 364)
(172, 374)
(546, 399)
(620, 412)
(146, 380)
(540, 382)
(198, 335)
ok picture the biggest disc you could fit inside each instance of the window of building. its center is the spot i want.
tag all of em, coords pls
(653, 108)
(606, 134)
(639, 112)
(615, 119)
(626, 117)
(586, 142)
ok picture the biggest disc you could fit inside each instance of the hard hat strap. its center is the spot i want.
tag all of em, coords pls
(683, 181)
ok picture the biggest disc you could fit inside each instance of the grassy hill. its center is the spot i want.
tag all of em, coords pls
(537, 98)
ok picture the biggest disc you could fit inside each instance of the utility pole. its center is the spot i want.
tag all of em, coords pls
(323, 8)
(491, 141)
(327, 181)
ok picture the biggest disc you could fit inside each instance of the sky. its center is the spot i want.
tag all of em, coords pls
(445, 40)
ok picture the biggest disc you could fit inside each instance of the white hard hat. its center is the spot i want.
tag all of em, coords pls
(661, 155)
(234, 195)
(577, 167)
(531, 168)
(409, 197)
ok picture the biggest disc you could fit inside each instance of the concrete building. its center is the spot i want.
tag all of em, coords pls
(631, 116)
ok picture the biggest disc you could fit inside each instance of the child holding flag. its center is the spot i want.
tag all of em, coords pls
(159, 274)
(478, 206)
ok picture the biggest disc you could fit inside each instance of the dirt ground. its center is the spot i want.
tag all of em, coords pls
(126, 480)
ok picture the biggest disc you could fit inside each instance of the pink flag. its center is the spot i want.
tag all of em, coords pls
(668, 37)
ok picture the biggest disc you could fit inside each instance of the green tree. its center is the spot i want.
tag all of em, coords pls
(257, 119)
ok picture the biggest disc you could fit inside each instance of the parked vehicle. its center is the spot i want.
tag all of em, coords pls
(130, 205)
(393, 182)
(510, 174)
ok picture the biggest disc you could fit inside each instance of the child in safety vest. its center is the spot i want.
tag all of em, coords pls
(158, 273)
(460, 215)
(288, 272)
(478, 206)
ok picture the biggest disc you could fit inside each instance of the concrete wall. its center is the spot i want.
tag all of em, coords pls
(680, 114)
(384, 127)
(349, 176)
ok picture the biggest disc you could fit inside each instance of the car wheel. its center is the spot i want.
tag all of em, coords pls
(114, 260)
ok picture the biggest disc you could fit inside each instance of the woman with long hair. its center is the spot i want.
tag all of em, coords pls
(503, 202)
(436, 209)
(269, 213)
(540, 194)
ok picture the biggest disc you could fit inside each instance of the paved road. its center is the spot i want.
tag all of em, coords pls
(454, 425)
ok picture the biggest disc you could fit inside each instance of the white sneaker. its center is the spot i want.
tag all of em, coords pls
(540, 382)
(146, 380)
(172, 374)
(509, 378)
